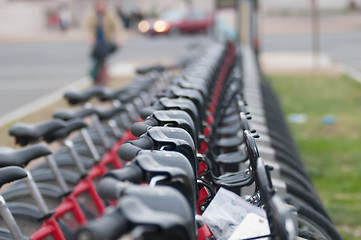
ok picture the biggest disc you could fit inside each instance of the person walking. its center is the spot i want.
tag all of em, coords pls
(104, 34)
(65, 18)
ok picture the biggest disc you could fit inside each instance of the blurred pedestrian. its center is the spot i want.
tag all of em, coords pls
(104, 33)
(136, 17)
(124, 17)
(352, 5)
(65, 18)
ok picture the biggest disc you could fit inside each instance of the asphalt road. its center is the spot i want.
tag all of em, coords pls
(344, 47)
(29, 71)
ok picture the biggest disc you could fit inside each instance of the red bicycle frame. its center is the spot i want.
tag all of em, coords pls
(204, 232)
(49, 228)
(70, 204)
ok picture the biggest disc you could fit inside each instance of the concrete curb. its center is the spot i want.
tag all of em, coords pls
(126, 69)
(297, 62)
(303, 63)
(351, 71)
(42, 102)
(117, 69)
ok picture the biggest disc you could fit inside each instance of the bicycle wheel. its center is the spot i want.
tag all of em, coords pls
(314, 222)
(27, 218)
(43, 175)
(309, 235)
(290, 175)
(21, 193)
(6, 235)
(65, 162)
(307, 198)
(51, 195)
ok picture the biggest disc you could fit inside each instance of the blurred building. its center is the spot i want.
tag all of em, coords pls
(24, 17)
(33, 16)
(303, 6)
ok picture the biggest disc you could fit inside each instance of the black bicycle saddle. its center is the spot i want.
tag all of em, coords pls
(68, 114)
(78, 97)
(71, 126)
(9, 174)
(25, 133)
(21, 157)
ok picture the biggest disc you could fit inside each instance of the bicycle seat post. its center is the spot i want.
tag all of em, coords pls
(124, 118)
(105, 140)
(99, 128)
(75, 156)
(145, 96)
(10, 221)
(131, 110)
(115, 128)
(35, 193)
(57, 174)
(90, 144)
(138, 103)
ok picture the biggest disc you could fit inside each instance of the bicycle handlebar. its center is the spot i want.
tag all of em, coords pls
(145, 70)
(161, 68)
(131, 148)
(109, 188)
(131, 172)
(110, 226)
(139, 128)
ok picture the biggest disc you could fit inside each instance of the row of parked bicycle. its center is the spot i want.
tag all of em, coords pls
(169, 156)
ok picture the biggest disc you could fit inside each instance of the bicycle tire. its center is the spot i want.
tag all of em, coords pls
(20, 193)
(309, 235)
(66, 163)
(51, 195)
(43, 175)
(311, 200)
(288, 173)
(27, 217)
(6, 235)
(314, 221)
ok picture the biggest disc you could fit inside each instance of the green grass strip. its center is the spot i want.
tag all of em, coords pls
(332, 153)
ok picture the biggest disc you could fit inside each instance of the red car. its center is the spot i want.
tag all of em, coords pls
(194, 22)
(175, 21)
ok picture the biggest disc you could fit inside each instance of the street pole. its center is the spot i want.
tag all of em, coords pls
(247, 17)
(189, 4)
(315, 33)
(244, 22)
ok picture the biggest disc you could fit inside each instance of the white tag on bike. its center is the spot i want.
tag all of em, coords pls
(226, 212)
(252, 226)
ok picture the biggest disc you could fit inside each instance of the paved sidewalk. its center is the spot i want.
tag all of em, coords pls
(286, 32)
(33, 75)
(287, 44)
(48, 36)
(118, 70)
(52, 36)
(298, 63)
(303, 24)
